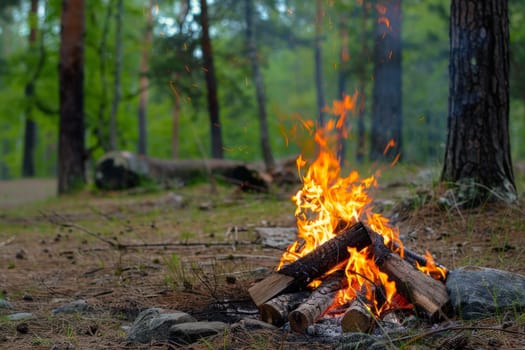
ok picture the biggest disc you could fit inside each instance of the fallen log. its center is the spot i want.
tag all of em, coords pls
(311, 266)
(119, 170)
(276, 310)
(427, 294)
(317, 303)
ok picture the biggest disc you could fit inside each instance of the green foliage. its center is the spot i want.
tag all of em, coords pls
(284, 32)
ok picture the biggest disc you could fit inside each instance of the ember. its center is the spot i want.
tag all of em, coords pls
(338, 233)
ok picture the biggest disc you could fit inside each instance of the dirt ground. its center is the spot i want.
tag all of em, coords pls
(196, 251)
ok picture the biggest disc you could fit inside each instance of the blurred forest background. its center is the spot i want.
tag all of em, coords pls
(145, 87)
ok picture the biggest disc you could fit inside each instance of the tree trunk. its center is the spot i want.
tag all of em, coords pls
(175, 123)
(211, 84)
(478, 147)
(71, 153)
(28, 161)
(387, 92)
(264, 134)
(318, 58)
(344, 56)
(144, 81)
(117, 85)
(360, 149)
(100, 129)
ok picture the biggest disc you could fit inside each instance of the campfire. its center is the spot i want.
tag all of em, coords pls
(347, 260)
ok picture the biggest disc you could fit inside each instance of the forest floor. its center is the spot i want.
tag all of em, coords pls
(57, 250)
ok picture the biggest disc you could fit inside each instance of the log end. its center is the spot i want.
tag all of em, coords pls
(299, 321)
(357, 319)
(271, 315)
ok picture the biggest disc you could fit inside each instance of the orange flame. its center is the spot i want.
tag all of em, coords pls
(327, 200)
(432, 269)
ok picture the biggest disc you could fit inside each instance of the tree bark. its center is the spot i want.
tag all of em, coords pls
(478, 147)
(28, 160)
(143, 83)
(71, 152)
(362, 73)
(387, 92)
(264, 133)
(102, 140)
(344, 56)
(211, 84)
(318, 60)
(117, 88)
(276, 310)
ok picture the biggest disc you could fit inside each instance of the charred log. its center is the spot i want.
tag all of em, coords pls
(311, 266)
(428, 295)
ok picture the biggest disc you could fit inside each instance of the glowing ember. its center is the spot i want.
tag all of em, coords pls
(328, 203)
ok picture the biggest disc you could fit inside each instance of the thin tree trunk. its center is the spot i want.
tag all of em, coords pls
(318, 58)
(102, 53)
(175, 125)
(478, 147)
(144, 81)
(211, 84)
(117, 85)
(264, 134)
(344, 56)
(71, 150)
(387, 92)
(28, 161)
(360, 150)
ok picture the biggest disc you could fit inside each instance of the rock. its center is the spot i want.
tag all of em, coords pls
(277, 237)
(72, 307)
(154, 324)
(477, 292)
(19, 316)
(4, 304)
(22, 328)
(187, 333)
(27, 297)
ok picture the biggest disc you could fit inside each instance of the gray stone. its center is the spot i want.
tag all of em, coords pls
(154, 324)
(187, 333)
(19, 316)
(72, 307)
(277, 237)
(4, 304)
(477, 292)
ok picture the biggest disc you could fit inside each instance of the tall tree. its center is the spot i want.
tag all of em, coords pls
(318, 58)
(211, 83)
(344, 56)
(144, 81)
(71, 153)
(362, 76)
(28, 160)
(264, 133)
(478, 148)
(386, 137)
(117, 88)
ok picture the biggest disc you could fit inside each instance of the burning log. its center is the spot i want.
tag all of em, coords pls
(358, 317)
(313, 265)
(317, 303)
(276, 310)
(426, 293)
